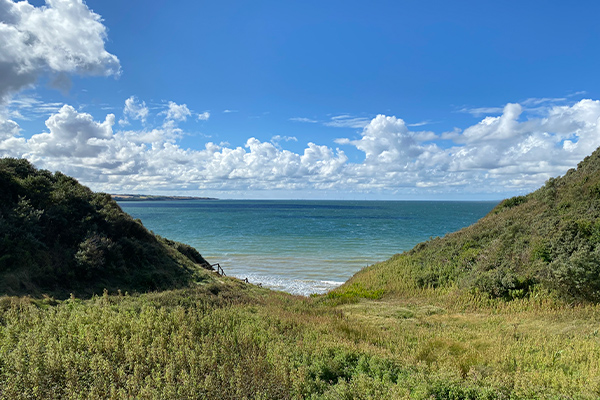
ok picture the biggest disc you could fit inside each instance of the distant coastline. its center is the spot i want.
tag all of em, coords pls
(145, 197)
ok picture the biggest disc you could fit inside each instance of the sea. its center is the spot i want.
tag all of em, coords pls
(302, 247)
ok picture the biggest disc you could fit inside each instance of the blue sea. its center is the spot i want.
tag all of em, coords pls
(302, 247)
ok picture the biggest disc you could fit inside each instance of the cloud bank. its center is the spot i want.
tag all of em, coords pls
(498, 154)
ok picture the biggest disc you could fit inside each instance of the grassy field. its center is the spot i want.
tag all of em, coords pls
(228, 340)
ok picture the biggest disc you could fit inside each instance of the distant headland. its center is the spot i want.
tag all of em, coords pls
(145, 197)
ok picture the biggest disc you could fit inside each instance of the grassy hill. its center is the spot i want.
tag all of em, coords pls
(546, 241)
(58, 237)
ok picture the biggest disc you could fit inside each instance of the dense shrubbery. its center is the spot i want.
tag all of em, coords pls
(58, 237)
(548, 240)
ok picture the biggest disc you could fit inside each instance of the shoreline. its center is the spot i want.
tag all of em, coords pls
(144, 197)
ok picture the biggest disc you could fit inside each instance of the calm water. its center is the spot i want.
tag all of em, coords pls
(302, 247)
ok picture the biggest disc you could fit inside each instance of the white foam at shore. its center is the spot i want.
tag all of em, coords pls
(303, 287)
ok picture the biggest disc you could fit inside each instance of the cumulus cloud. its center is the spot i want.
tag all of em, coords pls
(522, 152)
(135, 109)
(511, 151)
(496, 153)
(386, 139)
(8, 129)
(495, 128)
(11, 145)
(279, 138)
(72, 134)
(178, 112)
(64, 36)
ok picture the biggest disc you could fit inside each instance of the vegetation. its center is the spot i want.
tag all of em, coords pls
(504, 309)
(547, 241)
(236, 341)
(58, 237)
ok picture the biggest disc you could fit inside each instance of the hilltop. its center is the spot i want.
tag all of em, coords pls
(548, 240)
(57, 237)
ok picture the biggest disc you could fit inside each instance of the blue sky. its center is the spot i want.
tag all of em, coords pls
(312, 99)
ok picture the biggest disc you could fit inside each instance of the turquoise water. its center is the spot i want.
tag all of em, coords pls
(302, 247)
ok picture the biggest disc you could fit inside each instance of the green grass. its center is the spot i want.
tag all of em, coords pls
(229, 340)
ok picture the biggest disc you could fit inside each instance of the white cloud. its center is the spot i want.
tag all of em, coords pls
(495, 128)
(422, 123)
(28, 108)
(279, 138)
(507, 152)
(302, 119)
(347, 121)
(64, 36)
(72, 134)
(577, 94)
(535, 101)
(177, 112)
(385, 140)
(479, 111)
(540, 147)
(8, 129)
(135, 110)
(204, 116)
(180, 112)
(11, 145)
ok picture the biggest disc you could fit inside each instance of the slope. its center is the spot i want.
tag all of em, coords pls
(546, 241)
(58, 237)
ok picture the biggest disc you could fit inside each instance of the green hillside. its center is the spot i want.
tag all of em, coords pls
(57, 237)
(546, 241)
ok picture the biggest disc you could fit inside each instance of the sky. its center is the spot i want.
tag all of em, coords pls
(378, 100)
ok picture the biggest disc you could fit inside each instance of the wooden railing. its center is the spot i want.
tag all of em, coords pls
(218, 269)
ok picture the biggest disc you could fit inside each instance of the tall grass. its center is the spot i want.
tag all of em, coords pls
(232, 341)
